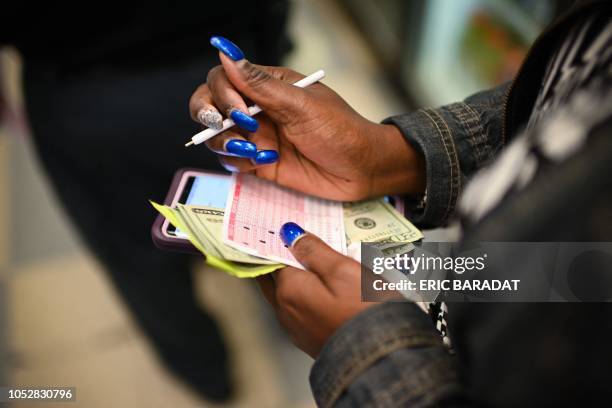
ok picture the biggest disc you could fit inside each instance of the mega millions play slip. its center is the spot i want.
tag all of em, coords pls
(257, 208)
(243, 238)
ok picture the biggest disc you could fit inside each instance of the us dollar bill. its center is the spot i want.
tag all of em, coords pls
(237, 269)
(191, 230)
(208, 226)
(376, 221)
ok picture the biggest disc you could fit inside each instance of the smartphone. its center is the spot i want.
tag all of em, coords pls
(191, 187)
(200, 187)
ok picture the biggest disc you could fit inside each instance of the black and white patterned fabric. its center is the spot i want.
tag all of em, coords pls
(438, 312)
(575, 96)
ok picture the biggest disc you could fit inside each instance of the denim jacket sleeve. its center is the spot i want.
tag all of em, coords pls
(388, 356)
(456, 140)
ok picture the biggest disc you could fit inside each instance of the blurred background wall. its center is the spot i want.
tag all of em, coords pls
(61, 323)
(439, 51)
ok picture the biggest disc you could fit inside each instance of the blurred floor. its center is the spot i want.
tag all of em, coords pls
(60, 321)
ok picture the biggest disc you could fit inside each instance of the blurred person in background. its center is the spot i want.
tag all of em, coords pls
(104, 91)
(527, 161)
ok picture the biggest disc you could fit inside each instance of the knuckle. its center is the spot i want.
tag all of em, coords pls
(290, 110)
(213, 73)
(305, 247)
(193, 102)
(283, 115)
(254, 76)
(197, 97)
(287, 112)
(345, 266)
(337, 267)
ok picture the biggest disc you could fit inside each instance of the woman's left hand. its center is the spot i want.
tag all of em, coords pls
(311, 304)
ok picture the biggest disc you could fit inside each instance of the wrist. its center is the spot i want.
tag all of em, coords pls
(397, 167)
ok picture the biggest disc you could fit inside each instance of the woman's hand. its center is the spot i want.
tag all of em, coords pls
(309, 139)
(311, 304)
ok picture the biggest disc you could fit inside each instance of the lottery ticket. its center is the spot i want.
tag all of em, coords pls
(256, 209)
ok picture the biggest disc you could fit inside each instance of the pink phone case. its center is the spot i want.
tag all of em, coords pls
(158, 231)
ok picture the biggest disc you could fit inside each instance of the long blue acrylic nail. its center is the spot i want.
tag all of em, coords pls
(227, 47)
(266, 157)
(290, 232)
(244, 121)
(241, 148)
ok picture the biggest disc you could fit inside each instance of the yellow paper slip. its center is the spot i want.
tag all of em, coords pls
(231, 268)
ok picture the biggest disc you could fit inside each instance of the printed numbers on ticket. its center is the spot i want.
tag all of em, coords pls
(256, 209)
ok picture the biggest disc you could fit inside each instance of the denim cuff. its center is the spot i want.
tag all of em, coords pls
(456, 141)
(368, 337)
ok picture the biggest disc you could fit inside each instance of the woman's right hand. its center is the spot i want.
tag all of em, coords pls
(308, 139)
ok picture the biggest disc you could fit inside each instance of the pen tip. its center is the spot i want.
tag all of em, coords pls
(189, 143)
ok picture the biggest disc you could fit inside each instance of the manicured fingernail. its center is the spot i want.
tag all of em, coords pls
(290, 232)
(241, 148)
(227, 47)
(244, 121)
(210, 118)
(266, 157)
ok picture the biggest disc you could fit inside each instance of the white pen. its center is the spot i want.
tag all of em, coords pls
(253, 110)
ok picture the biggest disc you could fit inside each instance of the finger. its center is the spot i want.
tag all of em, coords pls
(280, 99)
(202, 110)
(242, 165)
(269, 87)
(264, 157)
(237, 164)
(209, 116)
(229, 100)
(232, 144)
(268, 149)
(268, 289)
(314, 254)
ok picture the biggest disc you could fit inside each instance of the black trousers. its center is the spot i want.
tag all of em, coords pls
(110, 138)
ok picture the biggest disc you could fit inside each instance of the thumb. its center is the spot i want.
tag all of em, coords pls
(269, 87)
(314, 254)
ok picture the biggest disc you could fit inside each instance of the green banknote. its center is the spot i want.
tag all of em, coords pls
(191, 229)
(208, 222)
(376, 221)
(240, 270)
